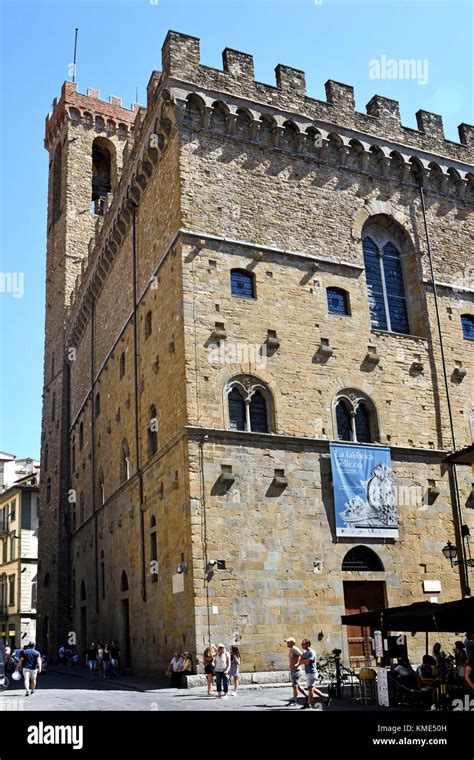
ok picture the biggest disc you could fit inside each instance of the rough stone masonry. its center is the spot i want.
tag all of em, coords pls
(187, 488)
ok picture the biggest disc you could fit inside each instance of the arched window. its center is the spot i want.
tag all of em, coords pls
(362, 559)
(344, 424)
(12, 548)
(81, 436)
(73, 517)
(73, 453)
(152, 432)
(153, 551)
(338, 301)
(83, 592)
(124, 581)
(467, 322)
(250, 405)
(82, 508)
(385, 287)
(124, 463)
(355, 417)
(57, 171)
(48, 490)
(362, 424)
(148, 324)
(258, 413)
(103, 154)
(242, 283)
(97, 405)
(122, 365)
(236, 410)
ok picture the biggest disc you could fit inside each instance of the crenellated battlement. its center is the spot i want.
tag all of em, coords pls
(108, 116)
(181, 60)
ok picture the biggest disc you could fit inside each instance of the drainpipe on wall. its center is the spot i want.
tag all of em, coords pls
(463, 567)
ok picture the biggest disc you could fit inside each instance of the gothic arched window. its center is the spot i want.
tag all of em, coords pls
(385, 287)
(242, 283)
(344, 424)
(103, 155)
(355, 417)
(250, 405)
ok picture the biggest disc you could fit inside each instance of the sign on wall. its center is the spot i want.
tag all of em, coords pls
(364, 493)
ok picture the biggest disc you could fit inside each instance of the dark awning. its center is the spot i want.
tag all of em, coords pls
(452, 617)
(461, 456)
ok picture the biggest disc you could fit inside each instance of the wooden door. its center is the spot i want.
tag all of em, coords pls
(360, 596)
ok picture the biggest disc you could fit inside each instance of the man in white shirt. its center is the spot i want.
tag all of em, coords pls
(294, 655)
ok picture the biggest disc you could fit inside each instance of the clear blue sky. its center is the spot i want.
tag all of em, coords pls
(119, 45)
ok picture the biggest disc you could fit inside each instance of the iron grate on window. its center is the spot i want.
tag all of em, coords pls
(338, 303)
(242, 284)
(467, 322)
(362, 559)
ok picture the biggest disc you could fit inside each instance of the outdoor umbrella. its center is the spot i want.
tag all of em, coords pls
(450, 617)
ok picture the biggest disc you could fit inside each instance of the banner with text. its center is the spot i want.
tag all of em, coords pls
(364, 493)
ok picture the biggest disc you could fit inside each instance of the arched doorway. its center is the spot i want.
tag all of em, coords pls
(360, 596)
(125, 620)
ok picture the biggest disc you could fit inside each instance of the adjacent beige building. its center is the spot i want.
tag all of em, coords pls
(238, 275)
(19, 507)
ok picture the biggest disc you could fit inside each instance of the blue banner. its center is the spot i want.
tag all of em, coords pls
(364, 493)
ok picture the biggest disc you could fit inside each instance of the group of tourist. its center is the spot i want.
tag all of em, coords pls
(456, 668)
(224, 666)
(180, 666)
(304, 657)
(103, 659)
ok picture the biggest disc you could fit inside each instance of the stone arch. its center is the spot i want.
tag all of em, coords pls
(353, 400)
(362, 559)
(124, 587)
(219, 116)
(374, 208)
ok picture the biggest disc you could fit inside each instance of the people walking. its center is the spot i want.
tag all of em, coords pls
(234, 670)
(208, 660)
(114, 657)
(222, 666)
(308, 659)
(106, 661)
(294, 656)
(31, 662)
(91, 660)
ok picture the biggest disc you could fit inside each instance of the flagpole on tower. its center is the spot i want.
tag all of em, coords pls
(75, 51)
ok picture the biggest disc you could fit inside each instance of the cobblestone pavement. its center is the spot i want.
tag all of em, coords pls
(63, 691)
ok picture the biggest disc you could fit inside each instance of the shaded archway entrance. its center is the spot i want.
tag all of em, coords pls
(361, 596)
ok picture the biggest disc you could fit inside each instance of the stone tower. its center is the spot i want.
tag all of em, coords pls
(85, 158)
(233, 315)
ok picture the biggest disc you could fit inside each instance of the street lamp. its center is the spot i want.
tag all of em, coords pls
(450, 552)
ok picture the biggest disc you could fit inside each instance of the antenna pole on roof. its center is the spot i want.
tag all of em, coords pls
(75, 51)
